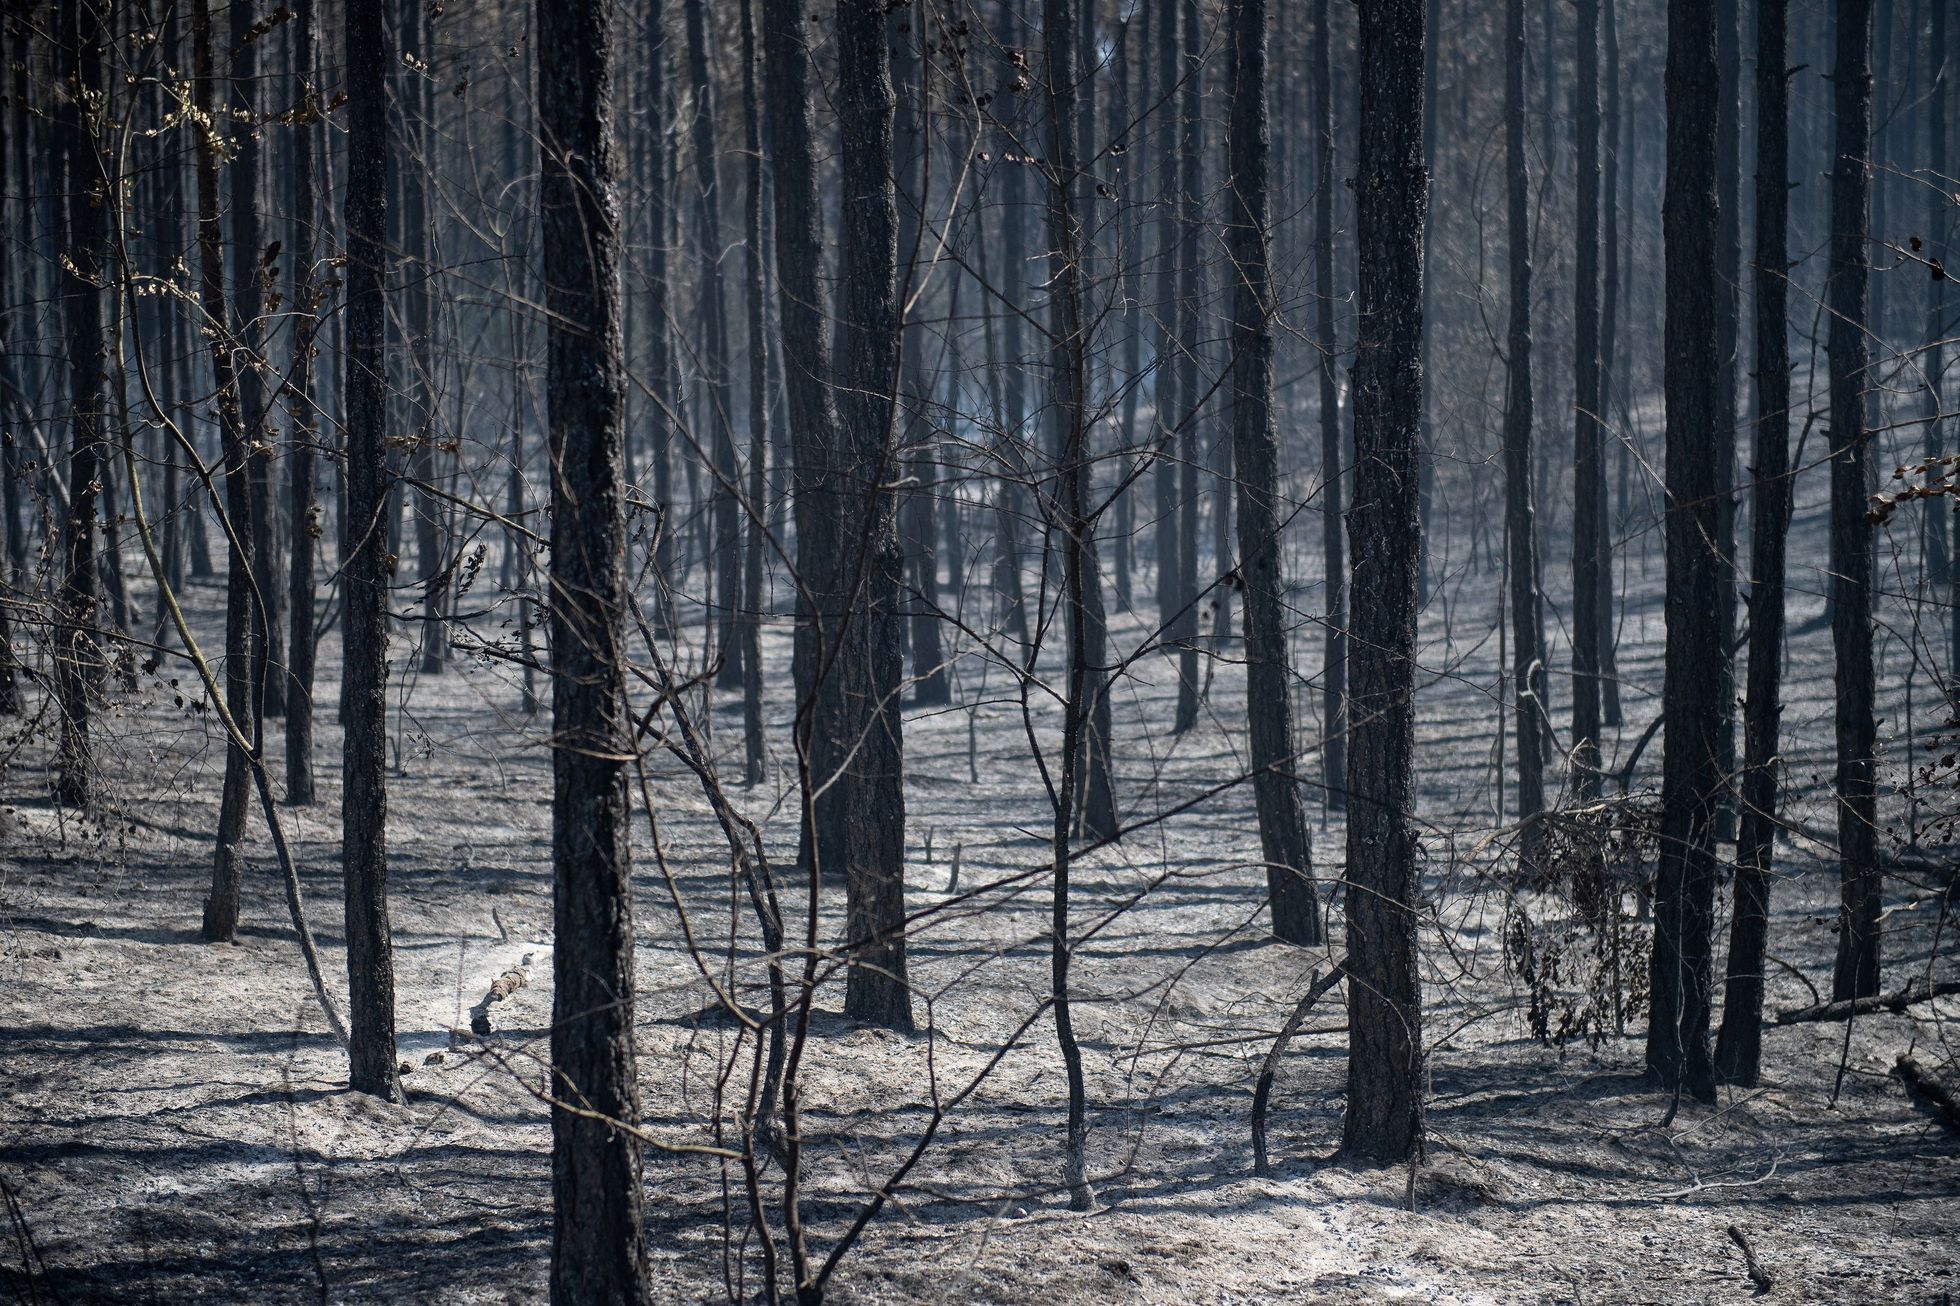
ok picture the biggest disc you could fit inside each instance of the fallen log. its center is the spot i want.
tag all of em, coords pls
(503, 986)
(1762, 1278)
(1922, 1082)
(1848, 1007)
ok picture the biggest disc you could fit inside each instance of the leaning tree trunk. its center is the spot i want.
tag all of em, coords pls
(866, 833)
(242, 626)
(1520, 514)
(1691, 776)
(1255, 451)
(1849, 299)
(364, 569)
(598, 1250)
(1739, 1045)
(81, 37)
(1384, 1118)
(1333, 676)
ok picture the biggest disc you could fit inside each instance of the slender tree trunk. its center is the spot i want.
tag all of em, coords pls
(1938, 545)
(81, 37)
(1190, 216)
(305, 512)
(1069, 360)
(1589, 577)
(753, 557)
(598, 1250)
(250, 271)
(911, 76)
(364, 568)
(1728, 274)
(1691, 776)
(1520, 513)
(1609, 677)
(1167, 402)
(241, 623)
(1333, 675)
(1739, 1045)
(1849, 298)
(1269, 676)
(869, 829)
(713, 355)
(418, 304)
(1384, 1118)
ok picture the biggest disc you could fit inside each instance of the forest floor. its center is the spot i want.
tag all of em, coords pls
(173, 1121)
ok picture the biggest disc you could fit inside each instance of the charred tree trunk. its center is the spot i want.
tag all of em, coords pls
(418, 301)
(1691, 777)
(1520, 512)
(1384, 1119)
(364, 561)
(1728, 276)
(1069, 359)
(911, 78)
(1609, 315)
(1268, 671)
(868, 830)
(1589, 578)
(250, 270)
(1333, 675)
(1739, 1045)
(598, 1250)
(304, 513)
(1849, 299)
(758, 481)
(1168, 403)
(1190, 217)
(78, 657)
(242, 624)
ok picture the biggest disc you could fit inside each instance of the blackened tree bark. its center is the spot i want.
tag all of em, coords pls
(1691, 775)
(1728, 274)
(1384, 1106)
(1588, 442)
(1739, 1045)
(305, 521)
(1168, 403)
(713, 356)
(1520, 512)
(364, 561)
(663, 399)
(1190, 217)
(758, 479)
(1069, 362)
(81, 37)
(598, 1250)
(805, 334)
(869, 829)
(1269, 675)
(1609, 314)
(912, 85)
(1939, 223)
(1849, 299)
(242, 626)
(250, 271)
(417, 110)
(1333, 675)
(1010, 496)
